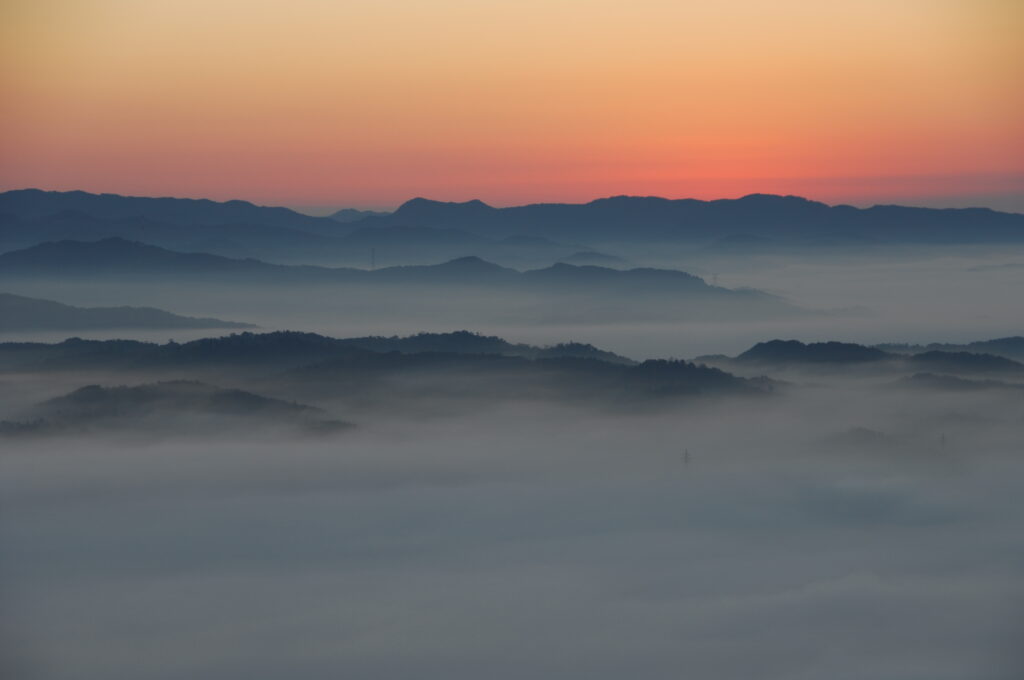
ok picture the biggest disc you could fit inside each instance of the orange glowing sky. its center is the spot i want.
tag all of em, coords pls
(370, 102)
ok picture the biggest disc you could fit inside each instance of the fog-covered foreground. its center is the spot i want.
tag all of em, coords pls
(822, 533)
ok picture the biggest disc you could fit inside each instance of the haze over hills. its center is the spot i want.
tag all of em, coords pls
(18, 313)
(114, 259)
(416, 371)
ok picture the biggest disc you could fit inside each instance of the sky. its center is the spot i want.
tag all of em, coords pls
(366, 103)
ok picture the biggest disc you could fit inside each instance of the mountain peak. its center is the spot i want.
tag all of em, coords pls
(794, 351)
(470, 263)
(427, 207)
(773, 197)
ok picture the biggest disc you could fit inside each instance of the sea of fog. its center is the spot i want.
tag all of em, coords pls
(716, 541)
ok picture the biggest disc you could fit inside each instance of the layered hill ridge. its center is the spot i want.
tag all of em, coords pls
(379, 371)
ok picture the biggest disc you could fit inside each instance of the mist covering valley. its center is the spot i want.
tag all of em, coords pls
(767, 438)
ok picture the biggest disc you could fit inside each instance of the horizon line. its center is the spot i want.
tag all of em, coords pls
(325, 210)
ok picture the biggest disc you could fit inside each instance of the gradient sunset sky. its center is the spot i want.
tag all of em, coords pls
(370, 102)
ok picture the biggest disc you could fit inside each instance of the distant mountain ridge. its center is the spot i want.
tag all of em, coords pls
(754, 219)
(35, 203)
(845, 355)
(754, 216)
(18, 313)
